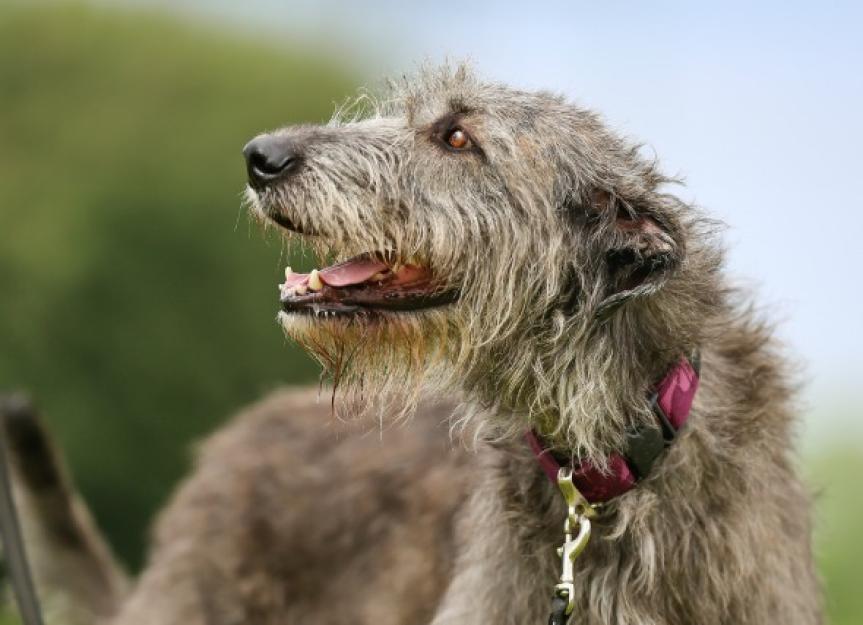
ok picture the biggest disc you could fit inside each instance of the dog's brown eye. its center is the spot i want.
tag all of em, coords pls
(458, 139)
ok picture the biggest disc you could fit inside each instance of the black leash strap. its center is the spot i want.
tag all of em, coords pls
(13, 546)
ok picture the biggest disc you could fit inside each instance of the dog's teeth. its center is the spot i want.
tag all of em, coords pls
(288, 273)
(300, 290)
(395, 268)
(378, 276)
(315, 283)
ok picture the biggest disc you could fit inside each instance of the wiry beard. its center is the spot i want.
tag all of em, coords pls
(380, 365)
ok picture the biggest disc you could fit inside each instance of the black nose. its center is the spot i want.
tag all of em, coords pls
(270, 158)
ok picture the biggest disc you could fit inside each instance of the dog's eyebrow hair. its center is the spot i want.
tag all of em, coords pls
(445, 120)
(458, 106)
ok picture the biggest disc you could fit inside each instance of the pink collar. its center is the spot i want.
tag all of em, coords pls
(671, 400)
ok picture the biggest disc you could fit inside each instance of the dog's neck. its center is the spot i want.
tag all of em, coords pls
(671, 401)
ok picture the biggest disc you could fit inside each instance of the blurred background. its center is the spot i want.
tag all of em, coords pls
(137, 301)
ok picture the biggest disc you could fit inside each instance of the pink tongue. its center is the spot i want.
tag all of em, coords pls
(350, 272)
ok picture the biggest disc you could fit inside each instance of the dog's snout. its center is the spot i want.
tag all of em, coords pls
(270, 158)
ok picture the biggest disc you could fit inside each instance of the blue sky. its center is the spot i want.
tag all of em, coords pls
(757, 105)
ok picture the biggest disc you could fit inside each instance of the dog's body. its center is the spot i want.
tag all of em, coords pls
(292, 517)
(516, 251)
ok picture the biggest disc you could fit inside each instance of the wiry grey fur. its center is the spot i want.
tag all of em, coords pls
(581, 279)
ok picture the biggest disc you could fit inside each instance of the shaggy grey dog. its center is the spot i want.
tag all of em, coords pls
(507, 249)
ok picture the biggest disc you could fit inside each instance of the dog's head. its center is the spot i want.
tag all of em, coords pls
(473, 234)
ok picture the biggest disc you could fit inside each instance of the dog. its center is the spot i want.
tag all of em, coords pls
(503, 262)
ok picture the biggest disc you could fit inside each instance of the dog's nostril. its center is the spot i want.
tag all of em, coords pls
(270, 158)
(262, 164)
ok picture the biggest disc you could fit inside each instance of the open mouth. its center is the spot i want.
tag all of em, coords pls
(364, 283)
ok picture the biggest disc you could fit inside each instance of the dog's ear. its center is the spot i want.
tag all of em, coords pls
(641, 250)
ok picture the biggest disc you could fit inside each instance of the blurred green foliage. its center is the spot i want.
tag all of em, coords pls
(136, 301)
(835, 472)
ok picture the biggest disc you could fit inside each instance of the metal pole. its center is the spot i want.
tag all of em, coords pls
(13, 546)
